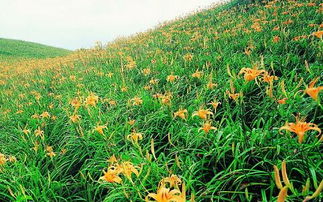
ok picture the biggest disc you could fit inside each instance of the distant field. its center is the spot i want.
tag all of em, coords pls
(15, 49)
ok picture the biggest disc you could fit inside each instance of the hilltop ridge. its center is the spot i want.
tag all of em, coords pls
(15, 49)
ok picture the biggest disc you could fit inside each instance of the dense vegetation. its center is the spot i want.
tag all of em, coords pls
(222, 105)
(16, 49)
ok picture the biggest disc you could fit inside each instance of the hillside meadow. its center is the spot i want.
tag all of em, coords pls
(13, 50)
(222, 105)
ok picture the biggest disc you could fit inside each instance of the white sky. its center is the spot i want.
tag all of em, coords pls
(76, 24)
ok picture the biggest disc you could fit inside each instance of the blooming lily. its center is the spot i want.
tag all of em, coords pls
(313, 91)
(300, 127)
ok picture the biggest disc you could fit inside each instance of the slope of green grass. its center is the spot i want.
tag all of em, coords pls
(13, 49)
(141, 100)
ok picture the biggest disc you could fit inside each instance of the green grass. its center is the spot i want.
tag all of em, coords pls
(233, 163)
(13, 49)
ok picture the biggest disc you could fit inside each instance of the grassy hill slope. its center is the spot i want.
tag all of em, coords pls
(14, 49)
(208, 106)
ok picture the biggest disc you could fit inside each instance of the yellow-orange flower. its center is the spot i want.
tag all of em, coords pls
(75, 118)
(127, 168)
(92, 99)
(276, 39)
(166, 195)
(99, 129)
(188, 57)
(146, 71)
(251, 74)
(211, 85)
(313, 91)
(12, 159)
(282, 101)
(268, 78)
(124, 89)
(131, 122)
(26, 131)
(112, 159)
(154, 81)
(202, 113)
(171, 78)
(166, 98)
(207, 127)
(233, 95)
(135, 137)
(198, 74)
(75, 103)
(318, 34)
(173, 181)
(112, 176)
(50, 151)
(300, 127)
(180, 113)
(136, 101)
(45, 115)
(39, 132)
(3, 159)
(215, 104)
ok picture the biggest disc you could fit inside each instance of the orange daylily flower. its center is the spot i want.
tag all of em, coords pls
(173, 181)
(166, 195)
(300, 127)
(26, 131)
(171, 78)
(318, 34)
(75, 118)
(131, 122)
(282, 101)
(99, 129)
(112, 159)
(202, 113)
(92, 99)
(207, 127)
(313, 91)
(166, 98)
(50, 151)
(268, 78)
(3, 159)
(112, 176)
(154, 81)
(124, 89)
(170, 193)
(180, 113)
(136, 101)
(135, 137)
(211, 85)
(215, 104)
(198, 74)
(45, 115)
(251, 74)
(276, 39)
(188, 57)
(146, 71)
(127, 168)
(39, 132)
(233, 95)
